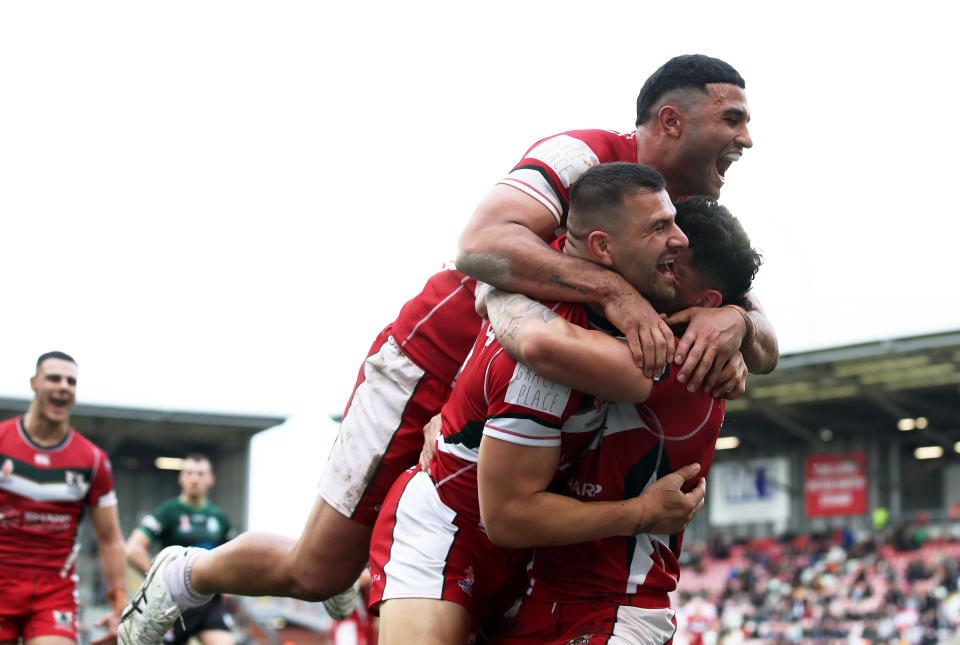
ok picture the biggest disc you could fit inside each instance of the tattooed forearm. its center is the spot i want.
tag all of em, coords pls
(508, 312)
(555, 279)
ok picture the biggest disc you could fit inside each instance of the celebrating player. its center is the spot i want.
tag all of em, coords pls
(614, 590)
(436, 568)
(49, 476)
(691, 125)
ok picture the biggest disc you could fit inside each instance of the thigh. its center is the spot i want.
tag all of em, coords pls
(332, 547)
(421, 549)
(53, 612)
(15, 592)
(381, 434)
(49, 640)
(420, 621)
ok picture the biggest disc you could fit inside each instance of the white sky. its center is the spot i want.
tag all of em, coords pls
(216, 205)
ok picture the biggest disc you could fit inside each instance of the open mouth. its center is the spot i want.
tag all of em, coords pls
(665, 268)
(59, 403)
(724, 163)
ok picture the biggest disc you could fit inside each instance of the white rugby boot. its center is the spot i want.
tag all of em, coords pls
(152, 612)
(342, 605)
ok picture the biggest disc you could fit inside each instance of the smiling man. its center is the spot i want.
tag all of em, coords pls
(691, 120)
(50, 476)
(437, 571)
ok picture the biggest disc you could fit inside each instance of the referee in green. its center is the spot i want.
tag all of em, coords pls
(188, 520)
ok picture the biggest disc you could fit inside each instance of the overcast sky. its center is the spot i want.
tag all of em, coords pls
(217, 205)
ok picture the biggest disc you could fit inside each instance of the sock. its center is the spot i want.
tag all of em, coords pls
(177, 576)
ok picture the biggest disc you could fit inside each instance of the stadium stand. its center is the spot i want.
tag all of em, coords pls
(781, 552)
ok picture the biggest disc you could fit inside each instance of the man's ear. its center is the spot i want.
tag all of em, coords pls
(33, 382)
(709, 298)
(598, 243)
(671, 120)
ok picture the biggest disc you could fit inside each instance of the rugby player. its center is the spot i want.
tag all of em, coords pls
(50, 476)
(692, 119)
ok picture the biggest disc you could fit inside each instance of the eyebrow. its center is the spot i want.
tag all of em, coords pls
(736, 112)
(657, 221)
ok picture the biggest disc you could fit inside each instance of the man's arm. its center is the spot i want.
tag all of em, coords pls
(504, 244)
(138, 550)
(106, 528)
(763, 354)
(583, 359)
(518, 512)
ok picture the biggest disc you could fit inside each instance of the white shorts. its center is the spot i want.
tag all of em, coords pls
(421, 548)
(381, 434)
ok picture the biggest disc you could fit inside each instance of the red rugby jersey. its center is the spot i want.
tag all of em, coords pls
(436, 328)
(496, 396)
(639, 444)
(44, 492)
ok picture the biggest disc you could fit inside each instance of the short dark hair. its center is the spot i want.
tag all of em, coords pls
(197, 456)
(721, 251)
(59, 355)
(690, 71)
(597, 197)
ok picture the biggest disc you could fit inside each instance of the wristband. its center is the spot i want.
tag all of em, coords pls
(751, 334)
(117, 598)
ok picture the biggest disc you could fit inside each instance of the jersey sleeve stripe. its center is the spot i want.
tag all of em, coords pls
(521, 180)
(526, 440)
(527, 433)
(107, 499)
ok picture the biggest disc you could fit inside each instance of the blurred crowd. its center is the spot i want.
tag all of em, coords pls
(898, 587)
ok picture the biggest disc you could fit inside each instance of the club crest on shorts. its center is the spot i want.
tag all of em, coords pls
(63, 619)
(466, 582)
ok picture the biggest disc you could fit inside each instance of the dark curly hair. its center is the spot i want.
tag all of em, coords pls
(690, 71)
(722, 254)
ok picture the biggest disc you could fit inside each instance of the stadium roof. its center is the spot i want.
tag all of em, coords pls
(112, 426)
(855, 391)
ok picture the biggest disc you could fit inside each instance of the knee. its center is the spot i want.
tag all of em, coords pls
(314, 584)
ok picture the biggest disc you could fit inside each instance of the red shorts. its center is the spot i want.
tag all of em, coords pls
(622, 620)
(381, 434)
(422, 549)
(37, 604)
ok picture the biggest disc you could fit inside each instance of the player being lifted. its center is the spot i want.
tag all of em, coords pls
(692, 119)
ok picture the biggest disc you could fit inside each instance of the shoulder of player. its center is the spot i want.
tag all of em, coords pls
(167, 507)
(213, 509)
(78, 442)
(605, 145)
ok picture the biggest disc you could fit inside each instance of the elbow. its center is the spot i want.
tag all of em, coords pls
(466, 261)
(766, 361)
(504, 530)
(505, 536)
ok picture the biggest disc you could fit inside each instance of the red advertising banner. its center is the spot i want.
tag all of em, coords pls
(836, 484)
